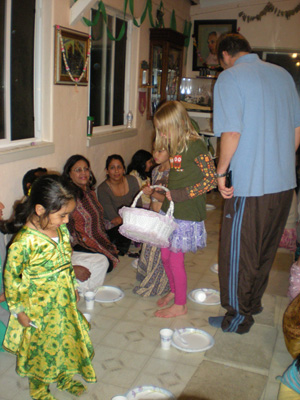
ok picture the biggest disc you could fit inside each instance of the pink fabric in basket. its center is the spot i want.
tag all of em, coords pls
(146, 226)
(294, 281)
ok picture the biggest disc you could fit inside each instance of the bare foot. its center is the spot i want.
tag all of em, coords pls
(170, 312)
(166, 299)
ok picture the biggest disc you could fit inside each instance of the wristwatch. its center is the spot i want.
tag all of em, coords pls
(221, 175)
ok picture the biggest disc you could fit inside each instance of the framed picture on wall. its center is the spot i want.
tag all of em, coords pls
(206, 34)
(71, 57)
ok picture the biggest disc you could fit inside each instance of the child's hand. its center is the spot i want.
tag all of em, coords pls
(147, 190)
(23, 319)
(77, 296)
(168, 196)
(2, 297)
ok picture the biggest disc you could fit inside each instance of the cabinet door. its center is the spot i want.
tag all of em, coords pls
(156, 74)
(173, 74)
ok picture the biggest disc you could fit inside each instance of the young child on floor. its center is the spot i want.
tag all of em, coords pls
(192, 174)
(46, 331)
(150, 271)
(140, 167)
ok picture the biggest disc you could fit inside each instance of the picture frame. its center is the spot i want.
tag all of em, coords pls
(77, 52)
(205, 31)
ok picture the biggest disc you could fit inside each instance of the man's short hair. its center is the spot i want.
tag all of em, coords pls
(31, 176)
(233, 43)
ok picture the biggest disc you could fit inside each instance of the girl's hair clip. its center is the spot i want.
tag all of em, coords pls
(29, 192)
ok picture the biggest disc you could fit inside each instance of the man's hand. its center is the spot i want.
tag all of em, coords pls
(226, 192)
(81, 273)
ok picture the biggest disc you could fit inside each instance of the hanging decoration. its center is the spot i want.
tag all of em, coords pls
(270, 8)
(142, 100)
(148, 10)
(160, 12)
(76, 80)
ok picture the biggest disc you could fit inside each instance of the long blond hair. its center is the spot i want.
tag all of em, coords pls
(173, 128)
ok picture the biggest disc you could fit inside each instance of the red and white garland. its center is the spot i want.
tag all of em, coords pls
(63, 51)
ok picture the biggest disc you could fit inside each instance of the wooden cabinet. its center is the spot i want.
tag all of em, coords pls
(165, 66)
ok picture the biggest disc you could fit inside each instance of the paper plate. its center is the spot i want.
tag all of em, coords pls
(109, 294)
(210, 207)
(212, 296)
(215, 268)
(149, 393)
(196, 340)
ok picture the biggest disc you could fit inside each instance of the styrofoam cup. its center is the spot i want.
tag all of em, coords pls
(87, 317)
(165, 338)
(89, 300)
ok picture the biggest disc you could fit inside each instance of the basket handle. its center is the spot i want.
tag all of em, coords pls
(170, 210)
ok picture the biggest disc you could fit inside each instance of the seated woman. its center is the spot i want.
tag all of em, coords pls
(86, 225)
(140, 167)
(116, 191)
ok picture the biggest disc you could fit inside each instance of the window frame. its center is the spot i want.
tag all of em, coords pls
(42, 143)
(129, 98)
(37, 74)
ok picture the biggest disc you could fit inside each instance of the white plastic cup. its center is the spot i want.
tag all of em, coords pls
(119, 397)
(200, 296)
(89, 300)
(87, 317)
(166, 338)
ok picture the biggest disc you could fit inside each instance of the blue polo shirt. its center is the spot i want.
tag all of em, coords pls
(259, 100)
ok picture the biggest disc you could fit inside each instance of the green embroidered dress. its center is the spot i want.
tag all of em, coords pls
(39, 280)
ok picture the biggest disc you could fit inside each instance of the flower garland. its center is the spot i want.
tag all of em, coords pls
(63, 51)
(270, 8)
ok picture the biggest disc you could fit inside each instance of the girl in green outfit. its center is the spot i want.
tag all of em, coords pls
(46, 331)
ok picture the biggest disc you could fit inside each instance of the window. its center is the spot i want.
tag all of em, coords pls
(19, 52)
(21, 38)
(109, 71)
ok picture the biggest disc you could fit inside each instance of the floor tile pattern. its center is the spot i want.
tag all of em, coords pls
(125, 335)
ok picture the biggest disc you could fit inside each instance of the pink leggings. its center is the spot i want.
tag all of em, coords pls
(174, 267)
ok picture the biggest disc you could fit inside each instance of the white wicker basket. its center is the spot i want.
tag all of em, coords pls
(147, 226)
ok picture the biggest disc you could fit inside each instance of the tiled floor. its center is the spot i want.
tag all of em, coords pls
(125, 335)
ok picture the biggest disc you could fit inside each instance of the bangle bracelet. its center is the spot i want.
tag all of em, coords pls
(221, 175)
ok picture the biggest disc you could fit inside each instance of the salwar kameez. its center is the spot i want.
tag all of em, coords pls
(39, 280)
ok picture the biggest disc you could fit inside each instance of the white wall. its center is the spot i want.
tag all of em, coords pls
(270, 32)
(66, 108)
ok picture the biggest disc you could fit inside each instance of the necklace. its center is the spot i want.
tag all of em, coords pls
(119, 189)
(63, 51)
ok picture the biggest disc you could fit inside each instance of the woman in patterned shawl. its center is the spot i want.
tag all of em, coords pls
(86, 224)
(46, 331)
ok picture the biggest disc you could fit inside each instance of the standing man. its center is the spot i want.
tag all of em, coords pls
(257, 116)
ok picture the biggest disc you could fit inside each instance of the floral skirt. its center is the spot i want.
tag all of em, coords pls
(188, 236)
